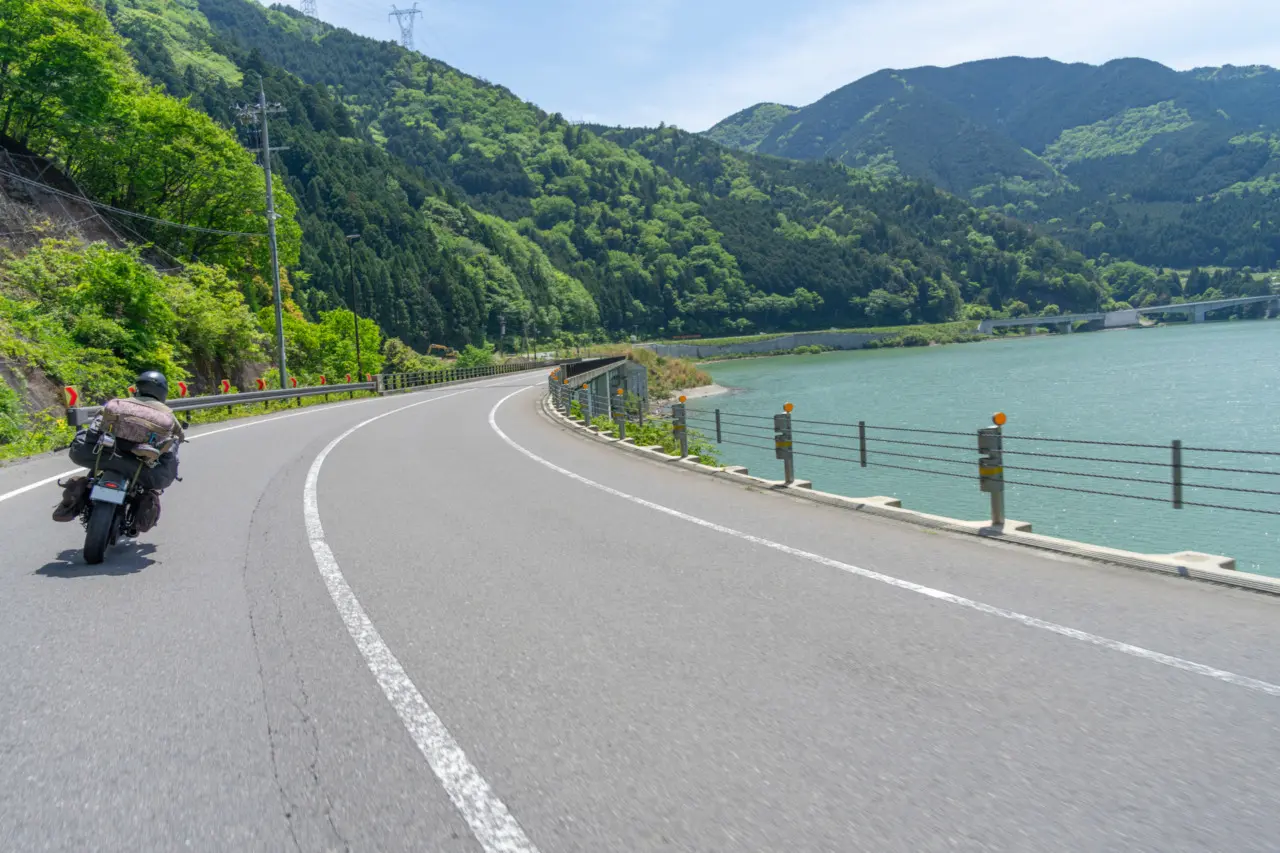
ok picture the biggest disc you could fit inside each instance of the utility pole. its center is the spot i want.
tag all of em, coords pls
(257, 114)
(526, 334)
(404, 17)
(502, 331)
(355, 302)
(271, 235)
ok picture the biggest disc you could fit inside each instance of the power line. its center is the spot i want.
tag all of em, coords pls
(107, 207)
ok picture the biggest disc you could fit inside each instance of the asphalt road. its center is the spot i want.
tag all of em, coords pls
(385, 626)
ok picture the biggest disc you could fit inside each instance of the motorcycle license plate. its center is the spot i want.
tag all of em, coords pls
(108, 495)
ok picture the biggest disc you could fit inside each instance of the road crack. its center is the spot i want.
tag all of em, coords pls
(286, 706)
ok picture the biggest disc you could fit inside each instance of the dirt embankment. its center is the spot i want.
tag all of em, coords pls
(37, 390)
(34, 204)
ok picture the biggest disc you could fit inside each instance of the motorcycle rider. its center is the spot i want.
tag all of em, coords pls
(152, 391)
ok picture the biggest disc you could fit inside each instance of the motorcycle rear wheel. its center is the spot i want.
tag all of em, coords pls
(102, 521)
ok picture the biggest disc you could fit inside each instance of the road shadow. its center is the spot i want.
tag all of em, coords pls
(123, 559)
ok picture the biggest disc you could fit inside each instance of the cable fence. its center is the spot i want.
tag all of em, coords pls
(1173, 474)
(999, 464)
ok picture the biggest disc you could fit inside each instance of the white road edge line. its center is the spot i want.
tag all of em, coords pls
(1013, 616)
(255, 422)
(490, 821)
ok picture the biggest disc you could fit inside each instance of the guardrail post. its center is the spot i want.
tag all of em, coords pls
(680, 427)
(991, 467)
(1177, 475)
(719, 436)
(582, 405)
(620, 416)
(862, 443)
(782, 443)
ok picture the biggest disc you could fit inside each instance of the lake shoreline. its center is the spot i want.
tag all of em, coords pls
(1210, 385)
(712, 390)
(983, 340)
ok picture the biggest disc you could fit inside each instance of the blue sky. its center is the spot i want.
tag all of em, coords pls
(691, 63)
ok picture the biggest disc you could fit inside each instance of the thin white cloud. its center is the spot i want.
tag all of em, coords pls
(825, 51)
(636, 29)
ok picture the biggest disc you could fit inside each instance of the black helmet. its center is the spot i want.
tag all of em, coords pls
(152, 383)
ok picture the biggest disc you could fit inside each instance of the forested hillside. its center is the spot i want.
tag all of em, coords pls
(666, 233)
(455, 206)
(1131, 158)
(81, 129)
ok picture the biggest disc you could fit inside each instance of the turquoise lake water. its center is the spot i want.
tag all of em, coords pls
(1215, 385)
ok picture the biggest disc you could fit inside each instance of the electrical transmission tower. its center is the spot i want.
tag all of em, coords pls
(308, 8)
(404, 17)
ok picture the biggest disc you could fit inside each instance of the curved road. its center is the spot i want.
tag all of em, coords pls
(443, 622)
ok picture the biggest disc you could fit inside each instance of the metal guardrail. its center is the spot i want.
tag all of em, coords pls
(81, 415)
(382, 384)
(395, 383)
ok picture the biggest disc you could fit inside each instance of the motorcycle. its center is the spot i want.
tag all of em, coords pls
(111, 510)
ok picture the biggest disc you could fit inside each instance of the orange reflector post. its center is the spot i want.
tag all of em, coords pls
(183, 390)
(294, 381)
(999, 419)
(225, 385)
(683, 399)
(788, 408)
(262, 384)
(70, 396)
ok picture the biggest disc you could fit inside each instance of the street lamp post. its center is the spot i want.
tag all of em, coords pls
(355, 306)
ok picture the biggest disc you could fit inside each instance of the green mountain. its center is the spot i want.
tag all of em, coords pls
(1130, 158)
(666, 232)
(747, 129)
(473, 207)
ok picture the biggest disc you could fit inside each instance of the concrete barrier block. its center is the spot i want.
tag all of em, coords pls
(1200, 560)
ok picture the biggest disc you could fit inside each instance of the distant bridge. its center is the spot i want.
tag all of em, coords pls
(1129, 317)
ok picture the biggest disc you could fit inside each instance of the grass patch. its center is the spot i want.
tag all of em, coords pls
(655, 432)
